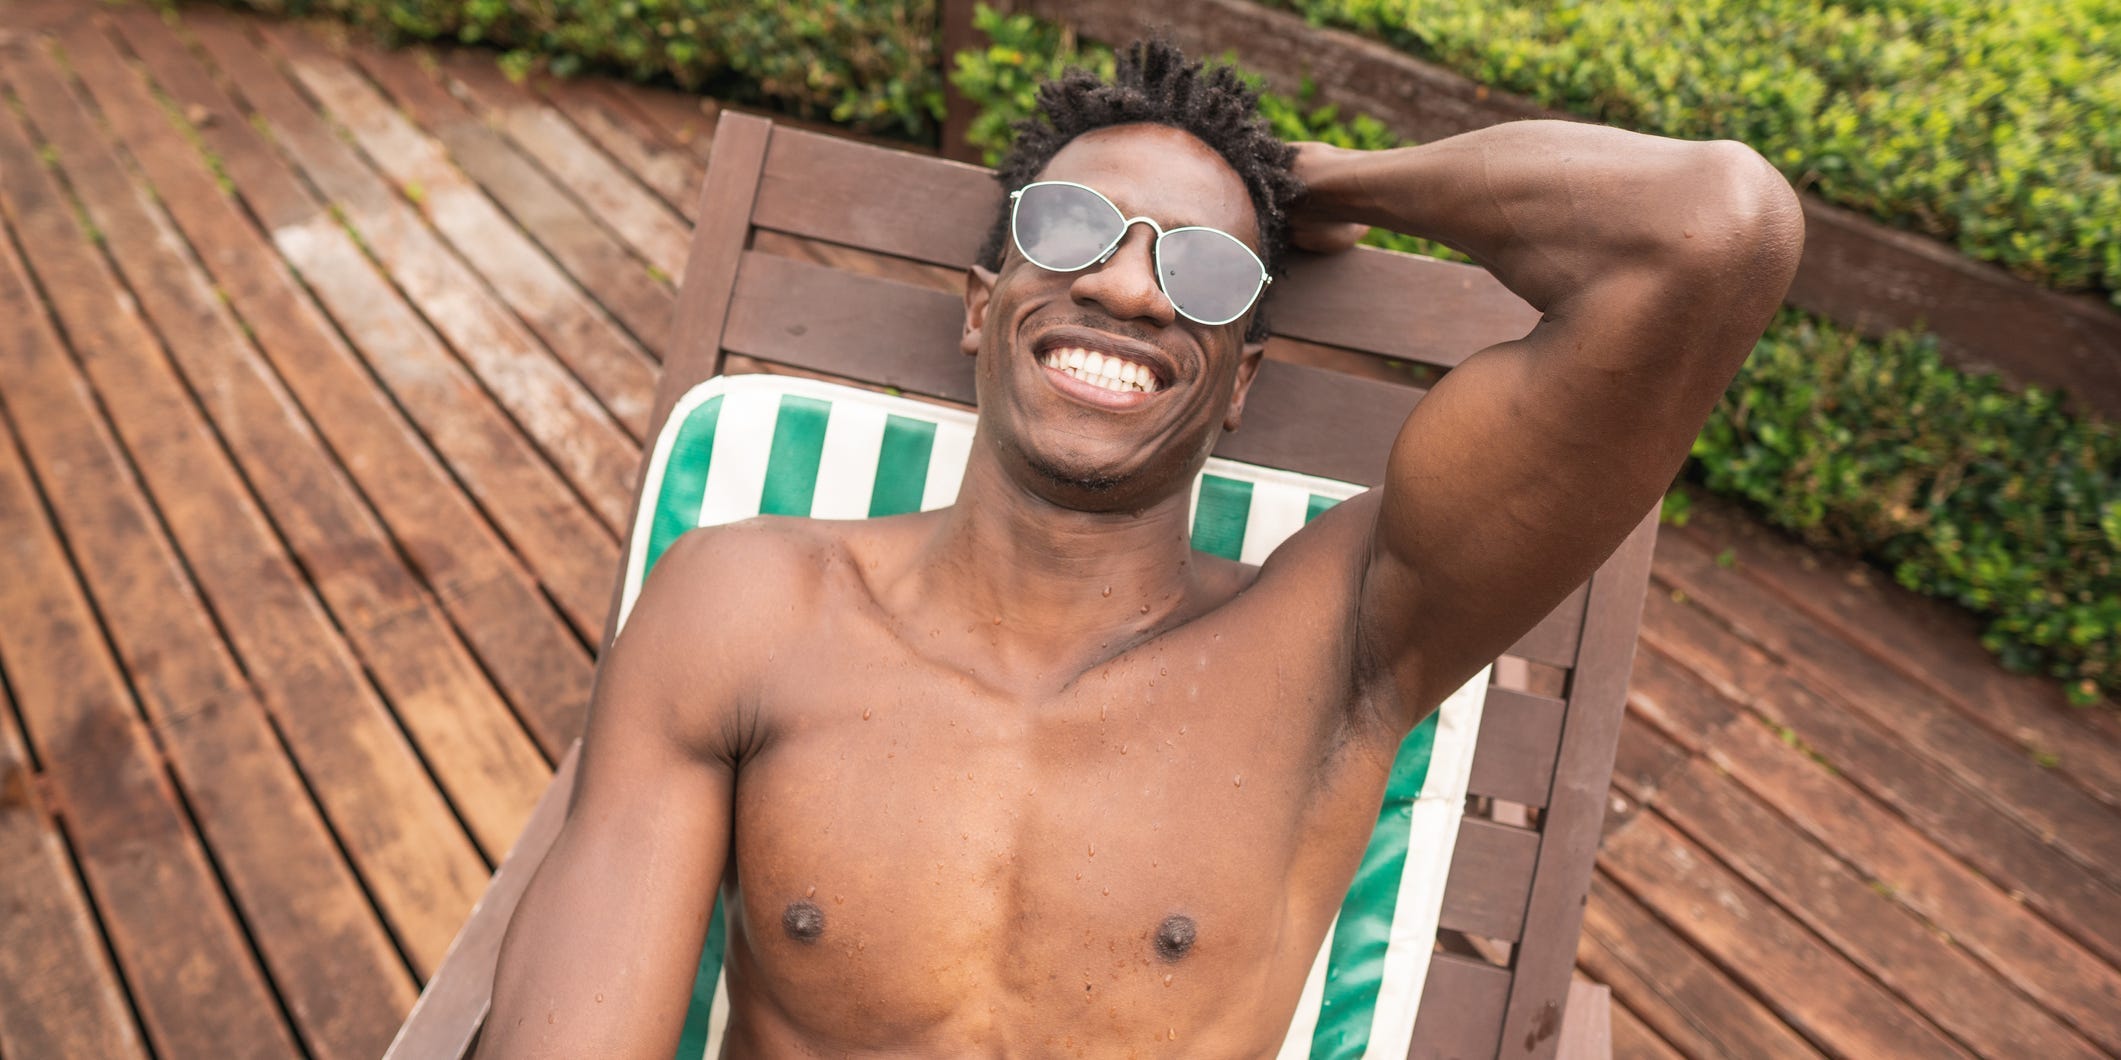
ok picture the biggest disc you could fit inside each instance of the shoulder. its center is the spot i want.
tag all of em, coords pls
(719, 603)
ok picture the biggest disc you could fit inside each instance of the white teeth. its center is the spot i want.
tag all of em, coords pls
(1111, 373)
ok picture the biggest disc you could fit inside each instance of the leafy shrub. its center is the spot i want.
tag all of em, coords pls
(1996, 126)
(872, 64)
(1998, 501)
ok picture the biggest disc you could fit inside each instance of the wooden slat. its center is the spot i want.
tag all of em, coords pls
(571, 554)
(573, 432)
(619, 373)
(446, 1019)
(1401, 306)
(604, 113)
(1875, 756)
(1472, 994)
(1807, 984)
(1992, 738)
(410, 849)
(195, 983)
(59, 995)
(1646, 757)
(1520, 734)
(2024, 950)
(649, 227)
(621, 283)
(1681, 994)
(2050, 806)
(489, 768)
(892, 202)
(1876, 933)
(521, 641)
(1490, 880)
(1927, 640)
(1569, 829)
(1634, 1040)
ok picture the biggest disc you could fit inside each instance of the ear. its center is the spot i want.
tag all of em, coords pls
(979, 288)
(1247, 368)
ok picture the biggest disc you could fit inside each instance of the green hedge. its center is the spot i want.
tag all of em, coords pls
(872, 64)
(1996, 126)
(1998, 501)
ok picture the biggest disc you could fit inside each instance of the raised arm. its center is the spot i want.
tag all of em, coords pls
(600, 957)
(1655, 264)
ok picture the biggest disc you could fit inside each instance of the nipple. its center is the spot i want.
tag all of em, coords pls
(804, 921)
(1174, 937)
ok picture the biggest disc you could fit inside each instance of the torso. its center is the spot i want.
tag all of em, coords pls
(1141, 859)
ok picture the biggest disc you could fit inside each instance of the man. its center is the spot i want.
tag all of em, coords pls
(1027, 776)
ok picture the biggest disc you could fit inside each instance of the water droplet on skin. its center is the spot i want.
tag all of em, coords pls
(1145, 609)
(1167, 980)
(600, 999)
(811, 893)
(1093, 849)
(1101, 712)
(865, 713)
(1108, 590)
(1108, 892)
(1181, 730)
(1122, 748)
(1240, 780)
(1173, 1032)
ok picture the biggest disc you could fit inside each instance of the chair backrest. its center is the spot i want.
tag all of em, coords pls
(816, 255)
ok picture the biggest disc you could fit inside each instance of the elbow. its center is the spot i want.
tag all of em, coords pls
(1750, 201)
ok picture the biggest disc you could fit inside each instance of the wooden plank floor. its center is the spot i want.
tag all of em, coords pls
(323, 373)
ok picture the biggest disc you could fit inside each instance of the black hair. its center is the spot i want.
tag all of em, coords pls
(1154, 83)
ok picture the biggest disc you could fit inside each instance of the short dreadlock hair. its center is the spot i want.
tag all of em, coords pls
(1154, 83)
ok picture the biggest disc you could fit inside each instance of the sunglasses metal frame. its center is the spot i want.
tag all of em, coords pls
(1127, 225)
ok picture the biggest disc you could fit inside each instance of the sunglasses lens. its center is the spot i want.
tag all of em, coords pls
(1062, 227)
(1209, 275)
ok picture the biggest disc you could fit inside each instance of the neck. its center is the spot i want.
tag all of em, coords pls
(1044, 587)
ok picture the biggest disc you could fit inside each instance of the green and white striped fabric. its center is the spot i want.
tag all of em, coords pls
(738, 446)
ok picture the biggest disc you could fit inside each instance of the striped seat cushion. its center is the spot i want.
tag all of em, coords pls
(739, 446)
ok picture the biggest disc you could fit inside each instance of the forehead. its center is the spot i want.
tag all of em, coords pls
(1159, 172)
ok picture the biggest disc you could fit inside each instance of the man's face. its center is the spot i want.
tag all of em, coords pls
(1077, 443)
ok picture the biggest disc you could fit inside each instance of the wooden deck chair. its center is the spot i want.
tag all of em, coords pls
(819, 255)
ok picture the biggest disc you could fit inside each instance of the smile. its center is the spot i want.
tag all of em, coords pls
(1098, 370)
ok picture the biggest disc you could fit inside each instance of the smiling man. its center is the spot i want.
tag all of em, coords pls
(1028, 776)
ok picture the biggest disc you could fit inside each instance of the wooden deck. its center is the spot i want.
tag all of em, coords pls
(322, 380)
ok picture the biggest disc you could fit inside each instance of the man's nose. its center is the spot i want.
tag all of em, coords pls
(1125, 285)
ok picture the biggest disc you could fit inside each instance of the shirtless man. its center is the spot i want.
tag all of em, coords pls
(1027, 776)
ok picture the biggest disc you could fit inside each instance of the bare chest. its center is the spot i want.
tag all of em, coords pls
(1163, 837)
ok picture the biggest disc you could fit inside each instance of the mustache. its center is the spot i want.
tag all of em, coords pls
(1105, 324)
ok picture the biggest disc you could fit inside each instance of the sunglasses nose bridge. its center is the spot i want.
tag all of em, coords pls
(1126, 226)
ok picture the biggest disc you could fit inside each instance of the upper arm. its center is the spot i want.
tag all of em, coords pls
(1525, 466)
(600, 956)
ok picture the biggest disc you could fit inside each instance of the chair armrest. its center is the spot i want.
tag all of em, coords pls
(446, 1019)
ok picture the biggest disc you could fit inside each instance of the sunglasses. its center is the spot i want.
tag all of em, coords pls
(1210, 276)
